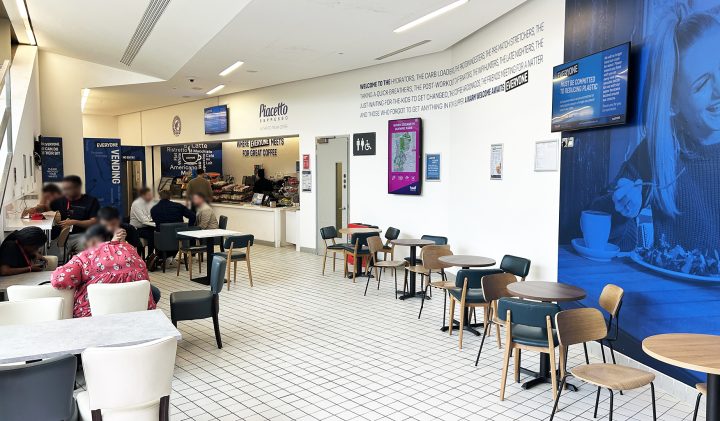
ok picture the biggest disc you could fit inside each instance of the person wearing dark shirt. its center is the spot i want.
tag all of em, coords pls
(167, 211)
(20, 252)
(262, 185)
(109, 217)
(77, 210)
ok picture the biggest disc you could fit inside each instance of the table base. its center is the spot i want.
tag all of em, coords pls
(202, 280)
(471, 327)
(406, 295)
(543, 376)
(712, 412)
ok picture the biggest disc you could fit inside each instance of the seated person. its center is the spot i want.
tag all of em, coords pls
(77, 210)
(102, 261)
(141, 219)
(50, 192)
(20, 252)
(166, 211)
(206, 218)
(109, 217)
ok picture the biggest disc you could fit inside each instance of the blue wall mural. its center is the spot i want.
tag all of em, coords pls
(640, 204)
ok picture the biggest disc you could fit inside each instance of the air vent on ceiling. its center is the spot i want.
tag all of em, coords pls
(402, 50)
(152, 14)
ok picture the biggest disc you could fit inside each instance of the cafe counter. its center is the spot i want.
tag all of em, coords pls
(271, 226)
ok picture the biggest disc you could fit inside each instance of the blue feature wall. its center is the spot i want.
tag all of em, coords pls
(640, 203)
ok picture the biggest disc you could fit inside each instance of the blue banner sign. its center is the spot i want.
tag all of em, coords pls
(51, 152)
(432, 167)
(103, 170)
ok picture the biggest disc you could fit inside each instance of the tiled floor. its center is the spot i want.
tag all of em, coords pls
(302, 346)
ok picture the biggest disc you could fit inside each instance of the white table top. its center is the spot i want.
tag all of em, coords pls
(72, 336)
(209, 233)
(13, 224)
(30, 278)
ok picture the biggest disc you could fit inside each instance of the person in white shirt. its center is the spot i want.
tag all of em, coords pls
(140, 217)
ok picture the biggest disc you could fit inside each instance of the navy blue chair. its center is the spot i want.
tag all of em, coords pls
(234, 254)
(358, 248)
(529, 325)
(166, 241)
(469, 294)
(41, 390)
(438, 240)
(201, 304)
(328, 235)
(189, 248)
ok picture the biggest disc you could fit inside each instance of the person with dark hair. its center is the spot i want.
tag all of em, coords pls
(102, 261)
(141, 219)
(166, 211)
(206, 218)
(20, 252)
(109, 217)
(49, 193)
(199, 184)
(262, 185)
(77, 210)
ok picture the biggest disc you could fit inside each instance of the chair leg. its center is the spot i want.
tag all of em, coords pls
(612, 404)
(247, 261)
(482, 342)
(517, 365)
(333, 259)
(445, 295)
(367, 284)
(463, 313)
(235, 272)
(325, 260)
(497, 333)
(216, 322)
(425, 289)
(587, 358)
(185, 260)
(612, 352)
(553, 373)
(597, 402)
(395, 273)
(697, 406)
(178, 267)
(355, 266)
(652, 396)
(345, 265)
(557, 399)
(451, 315)
(503, 377)
(200, 262)
(190, 271)
(378, 274)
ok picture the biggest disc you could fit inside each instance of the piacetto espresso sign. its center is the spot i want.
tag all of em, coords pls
(273, 116)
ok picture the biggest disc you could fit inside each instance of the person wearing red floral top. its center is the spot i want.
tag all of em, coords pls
(102, 262)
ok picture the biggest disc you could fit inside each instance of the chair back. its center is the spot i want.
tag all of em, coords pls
(611, 299)
(41, 390)
(222, 222)
(217, 278)
(518, 266)
(31, 311)
(29, 292)
(239, 241)
(166, 238)
(440, 241)
(57, 218)
(528, 313)
(431, 254)
(474, 278)
(580, 325)
(328, 233)
(495, 286)
(392, 234)
(142, 372)
(118, 298)
(359, 239)
(375, 244)
(63, 237)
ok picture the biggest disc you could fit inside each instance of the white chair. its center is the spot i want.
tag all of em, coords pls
(52, 263)
(30, 311)
(29, 292)
(118, 298)
(128, 383)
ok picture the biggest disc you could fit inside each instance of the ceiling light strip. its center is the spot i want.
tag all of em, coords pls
(431, 15)
(402, 50)
(153, 12)
(231, 68)
(215, 89)
(25, 18)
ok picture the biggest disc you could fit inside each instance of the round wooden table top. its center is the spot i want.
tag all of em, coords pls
(351, 231)
(546, 291)
(412, 242)
(467, 261)
(686, 350)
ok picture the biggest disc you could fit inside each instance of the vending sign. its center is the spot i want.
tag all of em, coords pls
(103, 171)
(404, 162)
(177, 160)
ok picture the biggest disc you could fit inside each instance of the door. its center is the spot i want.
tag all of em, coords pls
(331, 160)
(133, 182)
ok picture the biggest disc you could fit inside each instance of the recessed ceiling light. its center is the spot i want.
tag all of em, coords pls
(431, 15)
(231, 68)
(215, 89)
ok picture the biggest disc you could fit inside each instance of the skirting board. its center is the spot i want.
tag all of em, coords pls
(307, 250)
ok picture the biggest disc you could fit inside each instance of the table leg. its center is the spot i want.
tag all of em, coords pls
(412, 282)
(543, 376)
(712, 412)
(210, 250)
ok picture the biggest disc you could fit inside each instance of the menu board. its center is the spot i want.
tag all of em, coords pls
(404, 157)
(177, 160)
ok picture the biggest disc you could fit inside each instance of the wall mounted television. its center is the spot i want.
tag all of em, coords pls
(591, 91)
(216, 119)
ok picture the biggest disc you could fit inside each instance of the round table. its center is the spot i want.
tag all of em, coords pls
(466, 261)
(548, 292)
(413, 243)
(351, 231)
(693, 352)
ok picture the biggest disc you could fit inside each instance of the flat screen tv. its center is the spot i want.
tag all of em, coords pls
(405, 150)
(591, 91)
(216, 119)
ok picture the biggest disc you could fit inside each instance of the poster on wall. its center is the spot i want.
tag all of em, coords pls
(404, 157)
(307, 181)
(177, 160)
(547, 155)
(496, 161)
(103, 171)
(638, 203)
(432, 167)
(51, 151)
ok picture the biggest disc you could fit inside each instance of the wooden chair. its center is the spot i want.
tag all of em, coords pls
(358, 249)
(702, 390)
(529, 325)
(494, 287)
(234, 254)
(467, 291)
(188, 248)
(375, 245)
(62, 241)
(430, 263)
(329, 234)
(588, 324)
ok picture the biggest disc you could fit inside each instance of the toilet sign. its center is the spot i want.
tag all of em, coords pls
(364, 144)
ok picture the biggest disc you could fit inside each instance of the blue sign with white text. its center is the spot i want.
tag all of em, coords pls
(51, 151)
(177, 160)
(432, 167)
(103, 171)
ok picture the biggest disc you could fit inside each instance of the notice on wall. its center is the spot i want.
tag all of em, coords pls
(306, 161)
(404, 157)
(51, 152)
(500, 68)
(547, 155)
(256, 148)
(496, 161)
(307, 181)
(177, 160)
(432, 167)
(103, 171)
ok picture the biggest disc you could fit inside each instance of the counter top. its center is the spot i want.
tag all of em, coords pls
(253, 207)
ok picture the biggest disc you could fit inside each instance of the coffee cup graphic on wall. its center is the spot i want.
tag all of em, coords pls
(595, 226)
(190, 158)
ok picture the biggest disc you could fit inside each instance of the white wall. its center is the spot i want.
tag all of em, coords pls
(100, 126)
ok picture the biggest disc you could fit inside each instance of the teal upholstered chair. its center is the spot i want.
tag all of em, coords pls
(237, 249)
(529, 325)
(468, 293)
(329, 234)
(201, 304)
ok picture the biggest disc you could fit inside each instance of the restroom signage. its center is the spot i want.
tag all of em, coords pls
(364, 144)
